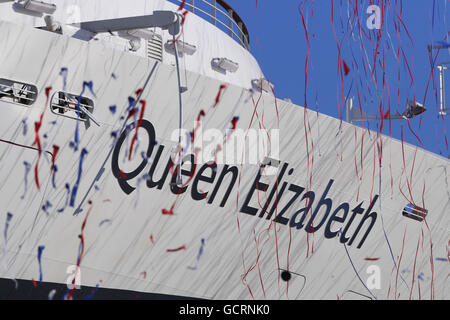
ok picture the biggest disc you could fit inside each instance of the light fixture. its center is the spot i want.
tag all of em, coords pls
(413, 108)
(39, 6)
(225, 64)
(183, 47)
(133, 41)
(262, 84)
(52, 25)
(135, 44)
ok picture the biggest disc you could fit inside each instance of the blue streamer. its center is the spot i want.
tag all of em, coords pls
(89, 296)
(144, 177)
(27, 170)
(40, 249)
(131, 102)
(104, 221)
(199, 255)
(67, 198)
(9, 216)
(63, 73)
(55, 169)
(113, 109)
(80, 171)
(46, 206)
(89, 85)
(25, 126)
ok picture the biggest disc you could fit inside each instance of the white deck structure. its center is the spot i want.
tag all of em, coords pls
(129, 244)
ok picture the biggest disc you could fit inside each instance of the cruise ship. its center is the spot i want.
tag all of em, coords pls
(144, 155)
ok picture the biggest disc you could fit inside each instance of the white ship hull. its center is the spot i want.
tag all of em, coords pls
(243, 254)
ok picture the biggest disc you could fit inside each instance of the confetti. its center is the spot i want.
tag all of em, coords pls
(55, 152)
(37, 141)
(63, 73)
(104, 221)
(144, 177)
(346, 68)
(199, 255)
(93, 292)
(177, 249)
(89, 85)
(219, 94)
(442, 259)
(27, 170)
(68, 295)
(25, 126)
(67, 186)
(181, 7)
(46, 206)
(168, 212)
(39, 256)
(9, 216)
(131, 102)
(141, 115)
(55, 169)
(80, 171)
(51, 294)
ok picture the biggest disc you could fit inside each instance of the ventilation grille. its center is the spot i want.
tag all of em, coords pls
(155, 48)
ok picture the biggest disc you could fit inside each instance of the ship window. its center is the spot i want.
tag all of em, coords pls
(17, 92)
(155, 48)
(71, 105)
(414, 212)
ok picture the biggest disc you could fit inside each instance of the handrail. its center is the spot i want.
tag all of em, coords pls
(232, 18)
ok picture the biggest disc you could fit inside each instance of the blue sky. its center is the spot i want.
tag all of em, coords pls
(279, 44)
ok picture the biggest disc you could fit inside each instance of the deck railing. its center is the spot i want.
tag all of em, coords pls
(220, 14)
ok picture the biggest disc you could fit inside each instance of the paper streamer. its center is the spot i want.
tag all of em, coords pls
(80, 171)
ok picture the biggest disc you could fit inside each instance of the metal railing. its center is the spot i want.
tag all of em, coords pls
(222, 15)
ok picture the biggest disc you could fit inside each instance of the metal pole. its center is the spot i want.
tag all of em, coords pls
(230, 23)
(441, 91)
(349, 106)
(180, 91)
(241, 34)
(192, 6)
(214, 6)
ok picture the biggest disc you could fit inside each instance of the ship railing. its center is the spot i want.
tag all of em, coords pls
(222, 15)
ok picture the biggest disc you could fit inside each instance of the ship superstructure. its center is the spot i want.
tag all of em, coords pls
(142, 150)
